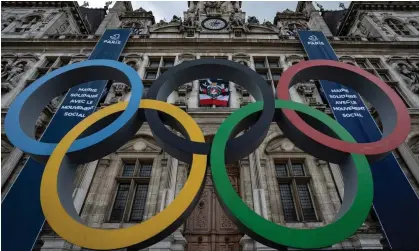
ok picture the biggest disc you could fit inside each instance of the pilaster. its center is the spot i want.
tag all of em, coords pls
(80, 193)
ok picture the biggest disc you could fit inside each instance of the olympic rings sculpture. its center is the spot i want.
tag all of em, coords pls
(313, 132)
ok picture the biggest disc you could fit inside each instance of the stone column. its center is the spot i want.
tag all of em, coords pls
(128, 96)
(173, 97)
(252, 66)
(234, 97)
(193, 99)
(144, 64)
(10, 164)
(80, 193)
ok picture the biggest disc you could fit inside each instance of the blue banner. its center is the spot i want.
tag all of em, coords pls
(22, 217)
(395, 201)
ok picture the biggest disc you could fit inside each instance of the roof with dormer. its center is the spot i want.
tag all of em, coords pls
(350, 16)
(74, 8)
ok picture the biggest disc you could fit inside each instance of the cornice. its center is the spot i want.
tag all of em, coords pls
(355, 6)
(135, 41)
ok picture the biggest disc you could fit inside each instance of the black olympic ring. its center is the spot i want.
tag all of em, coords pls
(237, 148)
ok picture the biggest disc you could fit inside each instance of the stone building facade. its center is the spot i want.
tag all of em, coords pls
(278, 180)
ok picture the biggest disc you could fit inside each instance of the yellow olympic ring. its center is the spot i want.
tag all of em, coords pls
(94, 238)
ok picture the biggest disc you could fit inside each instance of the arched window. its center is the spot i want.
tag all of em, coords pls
(398, 27)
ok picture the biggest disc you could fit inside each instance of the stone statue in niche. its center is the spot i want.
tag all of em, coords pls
(410, 75)
(252, 20)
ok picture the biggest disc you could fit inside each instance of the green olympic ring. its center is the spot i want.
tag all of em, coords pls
(269, 233)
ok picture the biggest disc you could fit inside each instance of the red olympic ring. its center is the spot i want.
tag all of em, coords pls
(391, 139)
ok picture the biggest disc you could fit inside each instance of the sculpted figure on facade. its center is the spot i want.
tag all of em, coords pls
(119, 91)
(189, 20)
(236, 19)
(176, 19)
(410, 75)
(11, 75)
(267, 23)
(252, 20)
(211, 7)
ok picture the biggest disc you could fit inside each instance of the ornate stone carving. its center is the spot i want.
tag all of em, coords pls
(161, 23)
(236, 19)
(119, 89)
(11, 75)
(213, 7)
(279, 145)
(410, 74)
(133, 64)
(56, 101)
(306, 89)
(252, 20)
(267, 23)
(176, 19)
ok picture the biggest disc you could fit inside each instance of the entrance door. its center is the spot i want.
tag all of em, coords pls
(208, 228)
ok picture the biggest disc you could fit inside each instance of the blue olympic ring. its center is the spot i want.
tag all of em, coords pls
(29, 104)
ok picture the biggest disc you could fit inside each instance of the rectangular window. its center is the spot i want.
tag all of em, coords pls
(120, 202)
(306, 203)
(264, 75)
(376, 64)
(362, 63)
(294, 191)
(154, 63)
(273, 62)
(145, 170)
(276, 75)
(297, 170)
(384, 76)
(287, 201)
(131, 191)
(281, 170)
(259, 63)
(150, 75)
(168, 62)
(49, 62)
(128, 170)
(138, 205)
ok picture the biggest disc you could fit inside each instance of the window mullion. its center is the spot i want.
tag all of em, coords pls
(137, 167)
(130, 199)
(298, 209)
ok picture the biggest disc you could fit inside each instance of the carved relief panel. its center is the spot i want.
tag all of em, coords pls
(209, 228)
(12, 69)
(408, 69)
